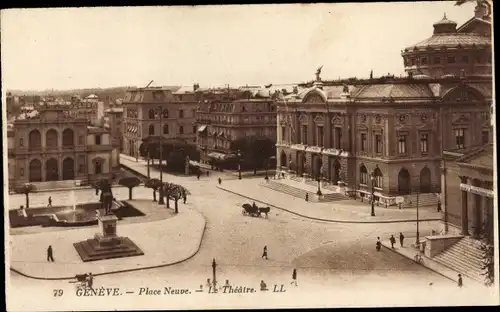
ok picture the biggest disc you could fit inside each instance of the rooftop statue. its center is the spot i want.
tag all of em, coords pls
(318, 72)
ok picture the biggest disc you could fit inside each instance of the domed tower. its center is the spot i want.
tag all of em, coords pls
(452, 52)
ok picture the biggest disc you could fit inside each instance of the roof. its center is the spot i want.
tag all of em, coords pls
(452, 40)
(445, 21)
(472, 21)
(481, 157)
(396, 91)
(184, 90)
(92, 96)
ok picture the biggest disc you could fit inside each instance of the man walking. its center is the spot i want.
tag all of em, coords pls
(50, 255)
(379, 244)
(50, 202)
(401, 238)
(294, 277)
(393, 241)
(264, 253)
(220, 180)
(460, 282)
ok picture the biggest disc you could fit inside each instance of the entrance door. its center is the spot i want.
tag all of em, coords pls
(68, 169)
(52, 170)
(404, 185)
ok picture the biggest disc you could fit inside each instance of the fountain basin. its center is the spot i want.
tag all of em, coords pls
(62, 216)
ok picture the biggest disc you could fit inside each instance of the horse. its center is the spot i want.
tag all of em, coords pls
(264, 210)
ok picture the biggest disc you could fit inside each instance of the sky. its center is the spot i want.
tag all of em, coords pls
(212, 45)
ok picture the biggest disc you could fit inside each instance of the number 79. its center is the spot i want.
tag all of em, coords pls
(58, 292)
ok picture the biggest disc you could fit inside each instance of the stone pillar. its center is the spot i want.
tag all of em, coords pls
(477, 209)
(465, 217)
(327, 132)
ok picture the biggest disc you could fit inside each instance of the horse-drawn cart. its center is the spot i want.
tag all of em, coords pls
(254, 211)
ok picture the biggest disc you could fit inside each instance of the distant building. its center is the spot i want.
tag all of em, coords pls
(90, 108)
(156, 111)
(226, 115)
(49, 145)
(114, 118)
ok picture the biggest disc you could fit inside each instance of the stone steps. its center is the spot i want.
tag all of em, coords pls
(429, 199)
(465, 257)
(91, 250)
(290, 190)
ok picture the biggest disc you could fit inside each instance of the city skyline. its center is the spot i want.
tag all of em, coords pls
(184, 45)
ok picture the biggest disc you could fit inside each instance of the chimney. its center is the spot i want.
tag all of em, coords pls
(481, 10)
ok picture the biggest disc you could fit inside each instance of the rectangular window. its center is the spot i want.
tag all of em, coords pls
(97, 139)
(363, 142)
(460, 138)
(402, 143)
(423, 61)
(424, 143)
(451, 59)
(283, 134)
(181, 129)
(320, 136)
(181, 113)
(21, 142)
(304, 135)
(378, 143)
(485, 135)
(194, 129)
(437, 60)
(338, 137)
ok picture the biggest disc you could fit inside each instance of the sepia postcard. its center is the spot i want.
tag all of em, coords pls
(250, 156)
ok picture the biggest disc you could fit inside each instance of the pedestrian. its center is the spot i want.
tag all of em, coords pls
(460, 282)
(198, 175)
(50, 254)
(439, 206)
(220, 180)
(264, 253)
(307, 196)
(184, 197)
(209, 283)
(50, 202)
(379, 244)
(294, 277)
(208, 173)
(393, 241)
(401, 238)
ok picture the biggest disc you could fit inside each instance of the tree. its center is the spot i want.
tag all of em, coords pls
(255, 151)
(178, 192)
(26, 189)
(168, 188)
(130, 183)
(154, 184)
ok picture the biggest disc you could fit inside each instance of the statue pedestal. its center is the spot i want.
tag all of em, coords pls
(107, 223)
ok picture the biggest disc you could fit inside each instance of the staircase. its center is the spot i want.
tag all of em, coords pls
(301, 193)
(428, 199)
(465, 257)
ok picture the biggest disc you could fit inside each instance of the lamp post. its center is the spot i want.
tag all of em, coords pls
(417, 242)
(161, 200)
(214, 266)
(373, 195)
(239, 165)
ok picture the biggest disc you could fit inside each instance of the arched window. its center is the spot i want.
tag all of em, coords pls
(165, 129)
(51, 139)
(151, 114)
(151, 129)
(377, 174)
(165, 113)
(68, 138)
(35, 140)
(425, 180)
(363, 175)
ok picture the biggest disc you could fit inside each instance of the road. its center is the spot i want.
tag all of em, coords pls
(327, 256)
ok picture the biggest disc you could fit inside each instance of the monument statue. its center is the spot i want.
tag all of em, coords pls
(318, 72)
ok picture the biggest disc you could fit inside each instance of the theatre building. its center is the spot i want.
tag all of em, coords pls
(52, 149)
(388, 132)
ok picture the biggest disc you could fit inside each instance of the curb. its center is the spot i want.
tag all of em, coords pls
(126, 270)
(328, 220)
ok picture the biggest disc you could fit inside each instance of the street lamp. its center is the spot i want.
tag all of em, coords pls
(417, 242)
(214, 266)
(239, 165)
(373, 194)
(161, 200)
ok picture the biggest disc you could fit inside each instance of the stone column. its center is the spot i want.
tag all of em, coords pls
(465, 217)
(477, 214)
(327, 131)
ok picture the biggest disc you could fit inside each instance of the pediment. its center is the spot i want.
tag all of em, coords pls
(461, 118)
(303, 118)
(319, 119)
(314, 98)
(463, 93)
(337, 119)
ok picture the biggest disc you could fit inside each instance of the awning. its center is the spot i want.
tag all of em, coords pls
(219, 156)
(202, 128)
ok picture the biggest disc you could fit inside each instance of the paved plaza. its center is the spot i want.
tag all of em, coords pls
(337, 261)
